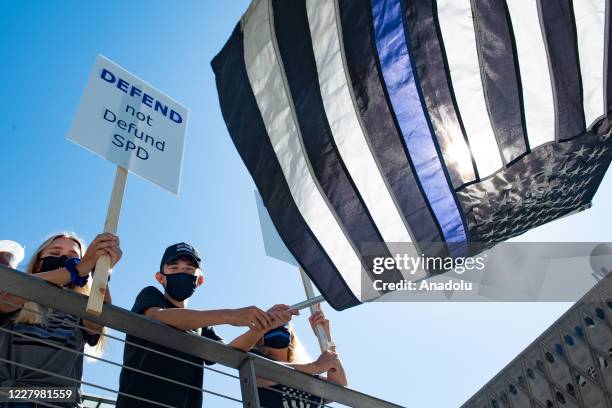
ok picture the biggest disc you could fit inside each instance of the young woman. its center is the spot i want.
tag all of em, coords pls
(282, 345)
(30, 333)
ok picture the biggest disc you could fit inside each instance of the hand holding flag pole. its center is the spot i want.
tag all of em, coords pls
(321, 336)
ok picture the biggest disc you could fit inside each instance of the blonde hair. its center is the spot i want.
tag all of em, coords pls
(32, 312)
(297, 353)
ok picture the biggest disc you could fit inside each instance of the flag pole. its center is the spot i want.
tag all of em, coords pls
(310, 295)
(308, 302)
(103, 267)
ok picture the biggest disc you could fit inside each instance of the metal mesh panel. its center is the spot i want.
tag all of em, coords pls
(569, 365)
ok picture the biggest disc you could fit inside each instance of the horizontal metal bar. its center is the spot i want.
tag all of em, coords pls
(37, 290)
(96, 398)
(308, 302)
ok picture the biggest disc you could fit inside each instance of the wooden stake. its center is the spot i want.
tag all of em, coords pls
(321, 336)
(100, 277)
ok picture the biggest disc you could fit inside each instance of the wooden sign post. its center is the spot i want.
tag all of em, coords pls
(103, 267)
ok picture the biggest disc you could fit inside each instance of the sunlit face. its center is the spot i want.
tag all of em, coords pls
(180, 266)
(62, 246)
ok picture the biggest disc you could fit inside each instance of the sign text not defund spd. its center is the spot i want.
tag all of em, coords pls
(132, 124)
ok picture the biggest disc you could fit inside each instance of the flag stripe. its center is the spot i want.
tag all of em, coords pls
(607, 62)
(269, 87)
(457, 28)
(535, 76)
(401, 85)
(432, 68)
(334, 106)
(560, 38)
(381, 125)
(248, 132)
(590, 29)
(345, 125)
(295, 47)
(500, 76)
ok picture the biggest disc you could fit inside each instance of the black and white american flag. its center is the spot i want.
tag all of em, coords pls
(437, 122)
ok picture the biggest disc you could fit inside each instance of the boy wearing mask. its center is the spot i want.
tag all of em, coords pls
(180, 274)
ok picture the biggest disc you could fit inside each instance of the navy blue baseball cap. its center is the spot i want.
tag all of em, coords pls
(176, 250)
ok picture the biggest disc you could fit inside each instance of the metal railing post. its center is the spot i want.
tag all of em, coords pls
(248, 384)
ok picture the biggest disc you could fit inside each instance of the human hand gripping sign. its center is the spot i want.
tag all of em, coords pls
(105, 244)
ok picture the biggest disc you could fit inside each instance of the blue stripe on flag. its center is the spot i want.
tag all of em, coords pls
(401, 85)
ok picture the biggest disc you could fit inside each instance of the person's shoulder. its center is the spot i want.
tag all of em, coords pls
(148, 297)
(150, 290)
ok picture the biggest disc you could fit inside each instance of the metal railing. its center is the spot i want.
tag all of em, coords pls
(94, 401)
(249, 366)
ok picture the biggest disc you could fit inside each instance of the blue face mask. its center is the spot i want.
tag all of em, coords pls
(278, 338)
(180, 286)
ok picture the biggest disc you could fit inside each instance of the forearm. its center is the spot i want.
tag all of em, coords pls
(188, 319)
(337, 376)
(309, 368)
(10, 303)
(59, 276)
(247, 341)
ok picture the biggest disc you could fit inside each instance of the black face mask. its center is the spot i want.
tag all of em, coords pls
(278, 338)
(51, 263)
(181, 285)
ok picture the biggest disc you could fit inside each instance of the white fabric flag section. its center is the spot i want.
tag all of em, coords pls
(535, 75)
(460, 42)
(266, 78)
(590, 30)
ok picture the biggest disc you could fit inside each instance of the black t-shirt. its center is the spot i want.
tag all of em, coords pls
(152, 388)
(282, 396)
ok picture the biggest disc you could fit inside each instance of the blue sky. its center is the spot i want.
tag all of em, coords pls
(425, 355)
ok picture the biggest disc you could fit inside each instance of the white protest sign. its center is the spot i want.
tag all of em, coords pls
(132, 124)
